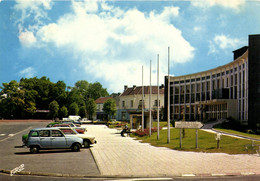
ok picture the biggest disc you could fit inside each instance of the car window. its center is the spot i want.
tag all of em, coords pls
(44, 133)
(56, 133)
(68, 131)
(34, 134)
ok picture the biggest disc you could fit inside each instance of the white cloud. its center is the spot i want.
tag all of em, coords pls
(222, 42)
(231, 4)
(114, 44)
(34, 10)
(27, 38)
(28, 72)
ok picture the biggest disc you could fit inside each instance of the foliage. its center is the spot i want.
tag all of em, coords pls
(96, 91)
(82, 111)
(74, 109)
(23, 99)
(109, 107)
(63, 112)
(91, 107)
(54, 109)
(141, 133)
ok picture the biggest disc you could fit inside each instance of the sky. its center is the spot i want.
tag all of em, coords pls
(110, 41)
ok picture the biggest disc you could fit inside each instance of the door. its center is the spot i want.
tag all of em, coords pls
(45, 139)
(58, 139)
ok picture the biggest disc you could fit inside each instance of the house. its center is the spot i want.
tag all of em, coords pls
(130, 104)
(100, 114)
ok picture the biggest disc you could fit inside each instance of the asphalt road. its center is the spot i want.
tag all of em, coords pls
(47, 161)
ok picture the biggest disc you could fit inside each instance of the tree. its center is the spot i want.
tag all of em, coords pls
(63, 112)
(110, 107)
(74, 109)
(54, 109)
(12, 106)
(91, 107)
(96, 90)
(82, 111)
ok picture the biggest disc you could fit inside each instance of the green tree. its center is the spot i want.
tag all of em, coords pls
(13, 103)
(63, 112)
(82, 111)
(91, 107)
(74, 109)
(110, 108)
(54, 109)
(96, 90)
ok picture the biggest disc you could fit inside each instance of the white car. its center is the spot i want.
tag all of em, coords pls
(87, 139)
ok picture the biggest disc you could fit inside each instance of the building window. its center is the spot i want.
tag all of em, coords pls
(187, 88)
(155, 103)
(177, 90)
(123, 116)
(132, 103)
(193, 88)
(198, 87)
(123, 103)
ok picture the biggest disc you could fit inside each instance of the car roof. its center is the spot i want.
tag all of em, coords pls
(52, 128)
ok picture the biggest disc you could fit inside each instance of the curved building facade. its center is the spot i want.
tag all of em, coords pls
(231, 90)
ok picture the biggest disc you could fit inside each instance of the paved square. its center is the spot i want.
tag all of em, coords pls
(124, 156)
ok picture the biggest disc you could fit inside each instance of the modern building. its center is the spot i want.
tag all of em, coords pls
(130, 104)
(231, 90)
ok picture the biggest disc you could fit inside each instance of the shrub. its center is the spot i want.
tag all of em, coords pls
(141, 133)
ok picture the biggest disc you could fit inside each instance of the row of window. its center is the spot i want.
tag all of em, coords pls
(216, 84)
(140, 103)
(213, 76)
(46, 133)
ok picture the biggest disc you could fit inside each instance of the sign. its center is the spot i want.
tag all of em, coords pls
(188, 124)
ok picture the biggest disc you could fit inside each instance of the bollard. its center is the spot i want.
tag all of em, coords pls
(218, 138)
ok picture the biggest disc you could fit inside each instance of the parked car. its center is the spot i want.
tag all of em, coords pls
(52, 124)
(87, 139)
(52, 138)
(80, 130)
(77, 123)
(99, 121)
(113, 122)
(86, 121)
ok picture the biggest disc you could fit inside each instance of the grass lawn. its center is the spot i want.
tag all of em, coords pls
(206, 142)
(161, 123)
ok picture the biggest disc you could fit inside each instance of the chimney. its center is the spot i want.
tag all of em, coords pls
(125, 87)
(134, 86)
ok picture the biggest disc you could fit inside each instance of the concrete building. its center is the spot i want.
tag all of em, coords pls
(231, 90)
(130, 104)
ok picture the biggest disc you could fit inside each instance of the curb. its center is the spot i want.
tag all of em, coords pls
(241, 136)
(186, 175)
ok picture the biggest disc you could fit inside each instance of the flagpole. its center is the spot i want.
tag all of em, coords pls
(168, 105)
(142, 98)
(158, 124)
(150, 111)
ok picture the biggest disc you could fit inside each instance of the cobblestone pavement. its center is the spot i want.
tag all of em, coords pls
(124, 156)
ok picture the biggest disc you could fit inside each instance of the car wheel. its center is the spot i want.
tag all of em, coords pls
(75, 147)
(86, 144)
(34, 149)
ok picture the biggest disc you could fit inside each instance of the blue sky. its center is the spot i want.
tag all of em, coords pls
(110, 41)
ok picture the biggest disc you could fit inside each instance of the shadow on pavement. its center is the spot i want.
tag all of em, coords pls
(43, 152)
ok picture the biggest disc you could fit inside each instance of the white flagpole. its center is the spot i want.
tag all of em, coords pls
(150, 111)
(168, 107)
(142, 98)
(158, 124)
